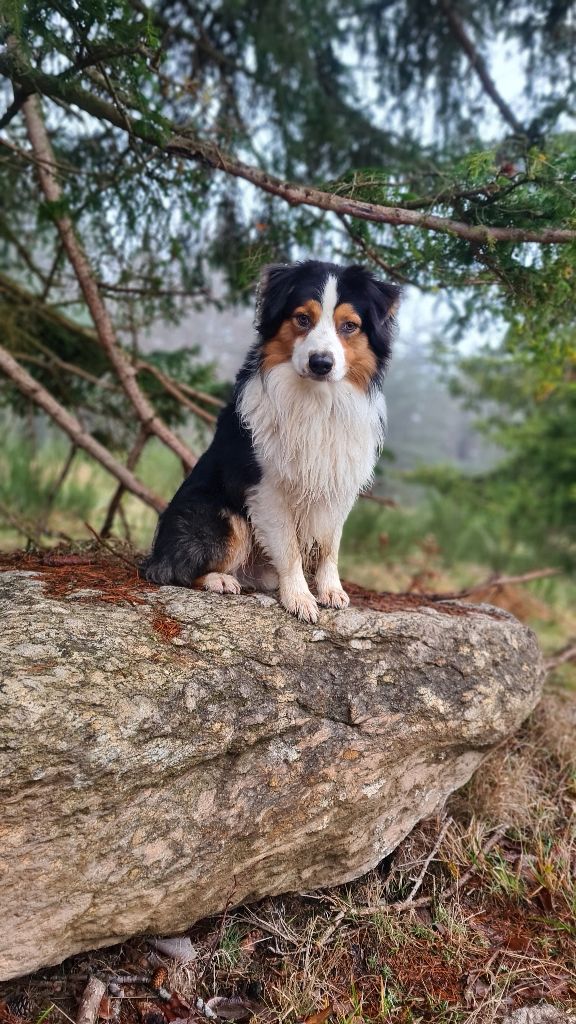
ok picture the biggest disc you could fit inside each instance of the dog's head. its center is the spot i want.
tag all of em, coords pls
(328, 322)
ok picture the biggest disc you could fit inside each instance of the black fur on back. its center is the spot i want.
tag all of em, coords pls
(192, 532)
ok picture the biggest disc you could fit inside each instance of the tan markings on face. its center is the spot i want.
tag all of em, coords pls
(345, 314)
(279, 348)
(360, 360)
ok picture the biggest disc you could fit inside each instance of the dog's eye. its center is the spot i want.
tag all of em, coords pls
(348, 327)
(303, 320)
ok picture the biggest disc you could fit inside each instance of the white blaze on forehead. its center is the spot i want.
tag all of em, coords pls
(323, 338)
(329, 297)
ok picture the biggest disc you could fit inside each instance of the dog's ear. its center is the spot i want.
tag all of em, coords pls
(385, 299)
(383, 302)
(276, 283)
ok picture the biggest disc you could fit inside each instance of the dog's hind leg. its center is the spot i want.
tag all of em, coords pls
(218, 583)
(199, 545)
(222, 579)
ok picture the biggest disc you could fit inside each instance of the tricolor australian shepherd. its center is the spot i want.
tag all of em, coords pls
(292, 450)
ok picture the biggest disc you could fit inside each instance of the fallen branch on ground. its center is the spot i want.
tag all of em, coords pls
(108, 547)
(93, 995)
(495, 582)
(561, 657)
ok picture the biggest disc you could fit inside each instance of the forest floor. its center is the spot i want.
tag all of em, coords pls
(471, 917)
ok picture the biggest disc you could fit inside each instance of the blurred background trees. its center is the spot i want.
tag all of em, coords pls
(191, 143)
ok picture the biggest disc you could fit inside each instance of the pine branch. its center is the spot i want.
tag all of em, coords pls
(105, 332)
(173, 389)
(20, 96)
(176, 142)
(479, 66)
(41, 397)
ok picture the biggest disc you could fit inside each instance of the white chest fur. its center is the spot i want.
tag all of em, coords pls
(319, 441)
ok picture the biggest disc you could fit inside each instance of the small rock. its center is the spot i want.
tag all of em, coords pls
(178, 948)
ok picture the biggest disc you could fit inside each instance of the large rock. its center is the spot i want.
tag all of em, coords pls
(162, 758)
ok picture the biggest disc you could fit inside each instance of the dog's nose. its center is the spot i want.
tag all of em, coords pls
(321, 363)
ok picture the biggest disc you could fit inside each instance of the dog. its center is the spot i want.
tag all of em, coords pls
(294, 447)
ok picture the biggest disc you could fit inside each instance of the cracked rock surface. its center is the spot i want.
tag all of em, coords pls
(150, 775)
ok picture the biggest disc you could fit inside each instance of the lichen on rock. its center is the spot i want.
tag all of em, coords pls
(162, 758)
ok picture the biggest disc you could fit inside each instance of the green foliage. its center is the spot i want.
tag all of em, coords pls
(336, 95)
(67, 360)
(515, 517)
(329, 92)
(29, 470)
(532, 493)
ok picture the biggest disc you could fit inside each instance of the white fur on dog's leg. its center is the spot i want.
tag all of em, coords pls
(328, 586)
(301, 603)
(273, 522)
(220, 583)
(266, 578)
(336, 598)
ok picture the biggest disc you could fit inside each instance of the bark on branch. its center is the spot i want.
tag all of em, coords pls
(106, 334)
(32, 389)
(479, 66)
(561, 657)
(189, 146)
(174, 389)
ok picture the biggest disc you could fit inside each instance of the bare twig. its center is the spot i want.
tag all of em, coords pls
(414, 901)
(22, 252)
(56, 486)
(478, 64)
(32, 535)
(93, 994)
(20, 95)
(119, 289)
(174, 389)
(202, 396)
(371, 253)
(32, 389)
(218, 936)
(385, 502)
(495, 582)
(561, 657)
(105, 544)
(133, 456)
(418, 883)
(61, 364)
(125, 372)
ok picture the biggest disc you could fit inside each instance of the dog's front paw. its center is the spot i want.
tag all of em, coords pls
(335, 597)
(220, 583)
(300, 603)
